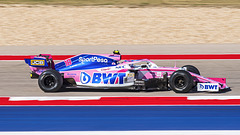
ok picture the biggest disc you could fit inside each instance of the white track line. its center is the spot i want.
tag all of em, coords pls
(99, 97)
(52, 98)
(212, 97)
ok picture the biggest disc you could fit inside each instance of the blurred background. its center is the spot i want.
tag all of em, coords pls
(118, 22)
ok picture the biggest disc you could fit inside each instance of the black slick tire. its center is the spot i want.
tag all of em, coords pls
(50, 81)
(192, 69)
(181, 81)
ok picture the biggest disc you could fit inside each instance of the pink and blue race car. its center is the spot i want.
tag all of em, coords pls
(109, 71)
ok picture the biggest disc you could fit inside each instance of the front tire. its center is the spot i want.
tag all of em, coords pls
(181, 81)
(192, 69)
(50, 81)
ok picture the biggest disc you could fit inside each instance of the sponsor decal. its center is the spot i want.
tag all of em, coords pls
(120, 67)
(105, 69)
(130, 77)
(68, 62)
(93, 59)
(40, 71)
(85, 78)
(104, 78)
(207, 87)
(71, 74)
(38, 62)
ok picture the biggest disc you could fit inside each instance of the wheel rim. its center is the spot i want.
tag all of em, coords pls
(49, 81)
(180, 82)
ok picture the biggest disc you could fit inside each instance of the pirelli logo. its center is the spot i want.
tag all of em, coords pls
(38, 62)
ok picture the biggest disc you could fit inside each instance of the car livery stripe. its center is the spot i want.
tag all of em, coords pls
(152, 57)
(119, 101)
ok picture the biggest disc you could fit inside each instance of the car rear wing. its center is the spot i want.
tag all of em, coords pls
(41, 60)
(40, 63)
(37, 62)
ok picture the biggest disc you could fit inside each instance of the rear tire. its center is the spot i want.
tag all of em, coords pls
(181, 81)
(50, 81)
(192, 69)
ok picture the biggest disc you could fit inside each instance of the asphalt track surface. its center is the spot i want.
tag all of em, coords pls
(119, 118)
(15, 80)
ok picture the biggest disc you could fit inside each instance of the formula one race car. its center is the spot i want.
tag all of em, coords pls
(108, 71)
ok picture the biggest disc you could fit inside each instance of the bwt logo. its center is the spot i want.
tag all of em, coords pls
(211, 87)
(207, 86)
(104, 78)
(93, 59)
(201, 86)
(37, 62)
